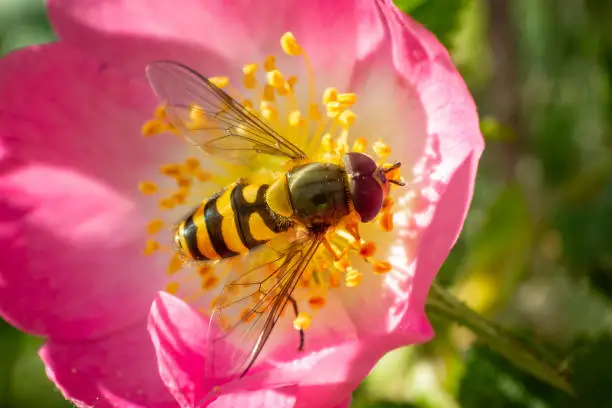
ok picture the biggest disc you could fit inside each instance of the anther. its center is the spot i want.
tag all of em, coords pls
(353, 277)
(268, 111)
(334, 109)
(269, 63)
(151, 246)
(268, 93)
(291, 81)
(175, 264)
(204, 270)
(147, 187)
(347, 99)
(275, 79)
(172, 288)
(381, 149)
(160, 113)
(386, 221)
(171, 170)
(367, 249)
(153, 127)
(388, 203)
(202, 175)
(327, 142)
(154, 226)
(290, 45)
(360, 145)
(381, 267)
(249, 69)
(342, 264)
(316, 302)
(219, 81)
(210, 282)
(330, 95)
(314, 112)
(183, 181)
(302, 321)
(347, 118)
(295, 118)
(166, 204)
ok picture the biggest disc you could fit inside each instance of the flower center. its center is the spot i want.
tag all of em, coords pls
(321, 127)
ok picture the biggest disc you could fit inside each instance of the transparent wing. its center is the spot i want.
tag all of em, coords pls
(252, 301)
(211, 119)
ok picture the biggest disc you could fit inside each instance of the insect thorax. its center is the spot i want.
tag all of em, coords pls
(319, 194)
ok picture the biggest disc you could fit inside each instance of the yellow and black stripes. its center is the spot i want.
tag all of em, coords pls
(232, 222)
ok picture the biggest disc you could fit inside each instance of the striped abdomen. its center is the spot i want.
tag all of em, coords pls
(232, 222)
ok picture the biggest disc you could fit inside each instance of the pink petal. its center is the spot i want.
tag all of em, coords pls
(214, 31)
(70, 224)
(179, 334)
(452, 122)
(323, 376)
(117, 371)
(427, 113)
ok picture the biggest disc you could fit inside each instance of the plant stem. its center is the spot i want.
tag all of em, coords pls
(528, 355)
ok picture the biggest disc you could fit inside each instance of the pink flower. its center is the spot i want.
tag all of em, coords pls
(73, 223)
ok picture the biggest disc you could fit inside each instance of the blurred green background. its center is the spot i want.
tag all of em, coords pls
(536, 251)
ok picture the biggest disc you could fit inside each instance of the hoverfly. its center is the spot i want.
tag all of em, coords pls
(245, 218)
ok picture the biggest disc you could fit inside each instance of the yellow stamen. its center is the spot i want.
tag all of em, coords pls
(330, 95)
(147, 187)
(386, 221)
(166, 204)
(295, 118)
(388, 203)
(249, 69)
(160, 113)
(270, 63)
(274, 97)
(210, 282)
(171, 170)
(367, 249)
(275, 79)
(290, 45)
(360, 145)
(151, 246)
(153, 127)
(347, 99)
(204, 270)
(154, 226)
(334, 109)
(347, 118)
(268, 111)
(353, 277)
(268, 93)
(381, 267)
(291, 81)
(314, 113)
(172, 288)
(327, 142)
(302, 321)
(342, 264)
(381, 149)
(175, 264)
(316, 302)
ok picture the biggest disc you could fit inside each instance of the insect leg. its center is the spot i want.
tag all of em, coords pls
(295, 310)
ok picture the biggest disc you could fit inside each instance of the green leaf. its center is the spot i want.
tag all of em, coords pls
(491, 381)
(441, 17)
(10, 347)
(592, 378)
